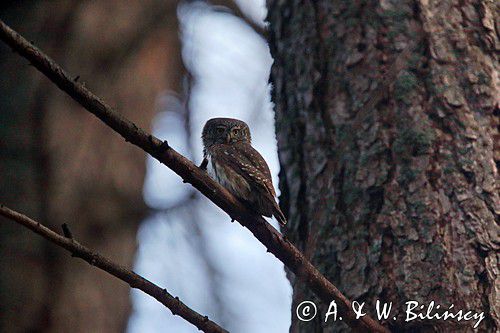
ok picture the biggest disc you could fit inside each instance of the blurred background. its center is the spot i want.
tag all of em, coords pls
(169, 66)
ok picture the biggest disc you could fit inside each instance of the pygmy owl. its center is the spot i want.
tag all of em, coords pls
(232, 161)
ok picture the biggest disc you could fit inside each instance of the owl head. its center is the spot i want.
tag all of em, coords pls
(225, 130)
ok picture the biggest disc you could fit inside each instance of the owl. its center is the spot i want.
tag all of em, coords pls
(231, 160)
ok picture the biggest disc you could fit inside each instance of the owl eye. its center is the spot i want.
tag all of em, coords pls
(220, 130)
(236, 131)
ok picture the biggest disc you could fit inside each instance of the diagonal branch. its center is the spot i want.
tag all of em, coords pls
(190, 173)
(133, 279)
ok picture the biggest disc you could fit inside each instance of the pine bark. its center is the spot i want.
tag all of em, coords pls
(390, 186)
(61, 165)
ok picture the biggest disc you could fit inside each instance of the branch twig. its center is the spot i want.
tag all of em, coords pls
(133, 279)
(190, 173)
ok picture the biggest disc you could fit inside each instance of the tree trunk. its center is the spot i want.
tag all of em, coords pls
(387, 127)
(61, 165)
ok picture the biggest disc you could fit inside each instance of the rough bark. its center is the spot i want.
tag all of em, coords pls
(396, 200)
(58, 163)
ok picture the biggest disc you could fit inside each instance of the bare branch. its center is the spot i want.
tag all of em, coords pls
(134, 280)
(190, 173)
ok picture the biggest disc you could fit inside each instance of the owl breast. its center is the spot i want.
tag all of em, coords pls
(228, 178)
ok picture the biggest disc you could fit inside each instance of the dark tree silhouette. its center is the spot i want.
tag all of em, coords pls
(58, 163)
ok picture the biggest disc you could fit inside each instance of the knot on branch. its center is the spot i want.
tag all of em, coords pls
(66, 231)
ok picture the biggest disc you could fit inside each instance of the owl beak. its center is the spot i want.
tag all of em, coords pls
(228, 138)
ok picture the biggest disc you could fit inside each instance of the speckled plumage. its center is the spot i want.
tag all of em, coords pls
(236, 165)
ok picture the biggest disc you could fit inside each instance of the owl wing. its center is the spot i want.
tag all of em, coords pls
(251, 165)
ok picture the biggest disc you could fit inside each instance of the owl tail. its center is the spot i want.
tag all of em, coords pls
(278, 214)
